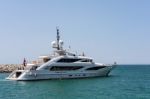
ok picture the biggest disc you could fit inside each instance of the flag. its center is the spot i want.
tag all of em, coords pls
(24, 62)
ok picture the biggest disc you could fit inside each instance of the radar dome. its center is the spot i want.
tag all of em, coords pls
(54, 44)
(61, 42)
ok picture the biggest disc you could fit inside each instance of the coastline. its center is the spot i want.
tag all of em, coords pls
(8, 68)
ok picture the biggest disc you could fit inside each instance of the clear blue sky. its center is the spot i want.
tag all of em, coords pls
(107, 30)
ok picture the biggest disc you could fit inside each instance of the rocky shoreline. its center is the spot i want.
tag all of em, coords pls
(7, 68)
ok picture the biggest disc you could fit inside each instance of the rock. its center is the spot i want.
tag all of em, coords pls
(7, 68)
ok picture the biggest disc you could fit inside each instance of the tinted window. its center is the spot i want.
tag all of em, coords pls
(95, 68)
(86, 60)
(63, 68)
(68, 60)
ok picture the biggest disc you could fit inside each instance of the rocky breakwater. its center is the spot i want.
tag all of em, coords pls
(7, 68)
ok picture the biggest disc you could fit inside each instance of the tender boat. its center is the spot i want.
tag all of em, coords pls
(61, 64)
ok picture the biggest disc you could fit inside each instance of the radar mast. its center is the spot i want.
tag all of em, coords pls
(58, 38)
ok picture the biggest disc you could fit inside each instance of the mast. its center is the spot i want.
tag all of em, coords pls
(58, 38)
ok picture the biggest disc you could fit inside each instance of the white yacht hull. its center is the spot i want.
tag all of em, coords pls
(61, 64)
(45, 74)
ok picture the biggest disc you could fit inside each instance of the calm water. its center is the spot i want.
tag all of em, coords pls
(124, 82)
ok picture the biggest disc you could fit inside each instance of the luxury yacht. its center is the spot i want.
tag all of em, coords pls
(61, 64)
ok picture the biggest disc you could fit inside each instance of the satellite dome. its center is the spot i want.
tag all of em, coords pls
(54, 44)
(61, 42)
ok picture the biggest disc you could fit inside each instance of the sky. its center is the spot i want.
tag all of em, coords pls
(106, 30)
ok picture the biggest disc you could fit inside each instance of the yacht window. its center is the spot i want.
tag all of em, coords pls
(86, 60)
(91, 60)
(95, 68)
(68, 60)
(63, 68)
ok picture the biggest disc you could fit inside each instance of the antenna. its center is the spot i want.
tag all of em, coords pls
(58, 38)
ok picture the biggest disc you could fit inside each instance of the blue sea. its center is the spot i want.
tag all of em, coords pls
(124, 82)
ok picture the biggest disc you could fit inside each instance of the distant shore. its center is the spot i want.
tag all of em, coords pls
(7, 68)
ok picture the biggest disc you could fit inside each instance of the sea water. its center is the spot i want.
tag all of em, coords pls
(124, 82)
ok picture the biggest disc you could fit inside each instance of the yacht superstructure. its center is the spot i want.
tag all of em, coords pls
(61, 64)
